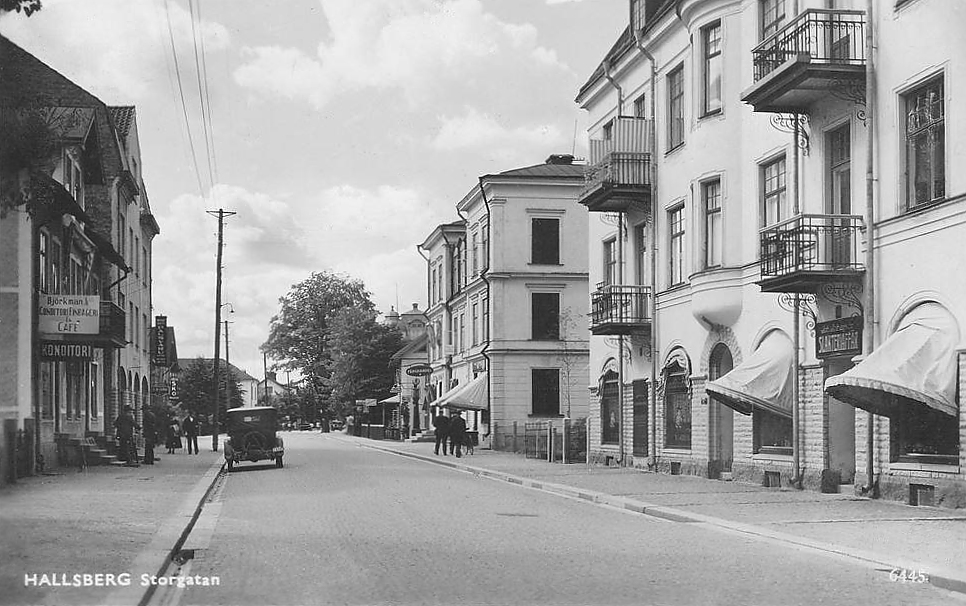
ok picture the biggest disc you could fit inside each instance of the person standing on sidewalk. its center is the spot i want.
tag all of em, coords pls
(124, 427)
(457, 433)
(190, 429)
(441, 425)
(150, 432)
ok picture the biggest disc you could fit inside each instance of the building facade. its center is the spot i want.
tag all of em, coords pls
(507, 288)
(741, 155)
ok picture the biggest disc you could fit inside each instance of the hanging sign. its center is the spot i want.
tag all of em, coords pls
(840, 337)
(69, 314)
(63, 350)
(159, 356)
(419, 370)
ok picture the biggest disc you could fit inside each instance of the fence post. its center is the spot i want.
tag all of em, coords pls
(494, 437)
(587, 439)
(550, 441)
(566, 439)
(515, 437)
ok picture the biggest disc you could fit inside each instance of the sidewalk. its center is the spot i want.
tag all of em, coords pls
(104, 520)
(882, 534)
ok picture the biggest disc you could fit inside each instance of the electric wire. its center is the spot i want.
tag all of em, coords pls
(205, 116)
(204, 72)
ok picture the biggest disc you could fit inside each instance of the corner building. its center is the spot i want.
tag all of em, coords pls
(741, 155)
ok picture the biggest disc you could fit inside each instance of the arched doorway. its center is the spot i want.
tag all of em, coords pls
(722, 420)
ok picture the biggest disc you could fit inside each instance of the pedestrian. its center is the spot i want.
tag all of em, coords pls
(173, 436)
(457, 433)
(440, 425)
(190, 429)
(124, 427)
(150, 432)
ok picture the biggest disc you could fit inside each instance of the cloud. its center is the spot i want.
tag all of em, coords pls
(127, 65)
(418, 47)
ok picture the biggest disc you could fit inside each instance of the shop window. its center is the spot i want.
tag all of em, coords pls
(920, 434)
(610, 425)
(772, 433)
(545, 385)
(677, 408)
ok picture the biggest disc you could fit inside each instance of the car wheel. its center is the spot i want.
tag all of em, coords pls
(278, 462)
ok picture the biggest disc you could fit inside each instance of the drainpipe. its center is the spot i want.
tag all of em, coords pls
(652, 236)
(415, 413)
(868, 324)
(620, 92)
(796, 323)
(486, 342)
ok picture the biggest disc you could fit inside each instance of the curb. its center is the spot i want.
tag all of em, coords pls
(945, 579)
(167, 541)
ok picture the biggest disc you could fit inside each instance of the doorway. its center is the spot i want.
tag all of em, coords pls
(841, 429)
(640, 400)
(722, 419)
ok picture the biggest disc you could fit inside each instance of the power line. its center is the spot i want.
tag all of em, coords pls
(204, 71)
(202, 88)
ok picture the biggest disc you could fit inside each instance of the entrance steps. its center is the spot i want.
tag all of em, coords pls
(423, 436)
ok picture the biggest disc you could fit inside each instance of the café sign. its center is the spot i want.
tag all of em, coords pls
(839, 337)
(159, 356)
(63, 350)
(419, 370)
(69, 314)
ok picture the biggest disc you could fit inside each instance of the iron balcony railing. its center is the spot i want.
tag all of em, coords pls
(811, 243)
(622, 158)
(829, 37)
(113, 324)
(620, 305)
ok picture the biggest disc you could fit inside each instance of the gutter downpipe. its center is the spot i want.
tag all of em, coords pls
(652, 235)
(868, 324)
(796, 322)
(419, 249)
(486, 342)
(620, 279)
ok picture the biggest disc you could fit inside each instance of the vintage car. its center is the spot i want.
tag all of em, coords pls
(253, 436)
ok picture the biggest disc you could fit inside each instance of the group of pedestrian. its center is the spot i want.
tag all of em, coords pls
(451, 429)
(125, 428)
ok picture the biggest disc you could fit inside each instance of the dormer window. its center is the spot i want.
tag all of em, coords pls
(74, 175)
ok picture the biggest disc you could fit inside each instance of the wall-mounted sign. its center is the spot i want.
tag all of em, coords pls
(69, 314)
(159, 356)
(419, 370)
(840, 337)
(61, 350)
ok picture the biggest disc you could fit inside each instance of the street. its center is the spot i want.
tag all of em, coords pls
(344, 524)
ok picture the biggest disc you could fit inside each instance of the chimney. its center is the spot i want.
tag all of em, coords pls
(270, 375)
(560, 159)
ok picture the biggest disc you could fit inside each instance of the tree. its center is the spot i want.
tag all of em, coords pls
(360, 350)
(28, 7)
(572, 357)
(195, 393)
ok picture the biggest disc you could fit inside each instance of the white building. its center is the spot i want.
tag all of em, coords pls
(726, 214)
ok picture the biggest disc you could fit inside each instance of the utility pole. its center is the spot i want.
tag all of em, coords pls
(221, 214)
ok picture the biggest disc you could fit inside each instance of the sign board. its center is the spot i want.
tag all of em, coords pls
(69, 314)
(159, 357)
(419, 370)
(840, 337)
(62, 350)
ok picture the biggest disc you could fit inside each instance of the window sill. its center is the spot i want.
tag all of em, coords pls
(931, 467)
(674, 149)
(711, 114)
(681, 451)
(546, 264)
(535, 415)
(772, 458)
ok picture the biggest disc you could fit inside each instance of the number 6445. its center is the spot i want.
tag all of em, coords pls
(901, 575)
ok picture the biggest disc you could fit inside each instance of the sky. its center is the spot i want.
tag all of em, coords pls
(341, 131)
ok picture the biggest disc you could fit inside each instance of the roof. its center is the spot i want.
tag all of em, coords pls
(415, 345)
(543, 171)
(123, 117)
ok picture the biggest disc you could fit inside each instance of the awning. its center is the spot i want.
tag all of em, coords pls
(916, 364)
(390, 400)
(472, 396)
(763, 380)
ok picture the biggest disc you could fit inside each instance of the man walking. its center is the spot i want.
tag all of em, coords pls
(441, 424)
(150, 432)
(457, 433)
(124, 427)
(189, 427)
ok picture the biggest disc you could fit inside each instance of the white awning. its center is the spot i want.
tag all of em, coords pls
(916, 363)
(390, 400)
(472, 396)
(763, 380)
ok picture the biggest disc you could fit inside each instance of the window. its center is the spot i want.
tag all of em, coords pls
(545, 318)
(55, 273)
(136, 253)
(476, 254)
(640, 107)
(485, 230)
(545, 391)
(711, 200)
(676, 221)
(925, 145)
(545, 241)
(440, 292)
(462, 345)
(486, 319)
(772, 16)
(677, 408)
(773, 192)
(921, 434)
(610, 262)
(640, 240)
(608, 131)
(476, 324)
(92, 398)
(772, 433)
(711, 39)
(47, 370)
(675, 108)
(43, 269)
(432, 286)
(610, 424)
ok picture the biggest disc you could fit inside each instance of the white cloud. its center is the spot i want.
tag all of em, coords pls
(127, 65)
(419, 47)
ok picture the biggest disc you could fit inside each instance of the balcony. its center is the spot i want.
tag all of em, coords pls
(619, 309)
(113, 329)
(618, 176)
(801, 253)
(819, 52)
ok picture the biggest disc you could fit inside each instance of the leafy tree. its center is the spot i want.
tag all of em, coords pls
(28, 7)
(195, 390)
(360, 350)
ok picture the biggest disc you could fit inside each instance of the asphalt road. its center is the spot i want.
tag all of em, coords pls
(344, 524)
